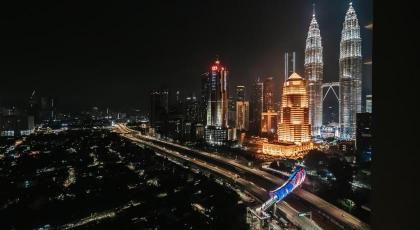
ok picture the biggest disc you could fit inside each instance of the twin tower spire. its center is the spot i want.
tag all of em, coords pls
(349, 75)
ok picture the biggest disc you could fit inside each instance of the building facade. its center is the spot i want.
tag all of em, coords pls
(256, 106)
(216, 132)
(242, 115)
(350, 75)
(294, 124)
(314, 75)
(268, 101)
(159, 109)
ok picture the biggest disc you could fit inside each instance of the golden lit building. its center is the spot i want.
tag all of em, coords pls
(294, 130)
(294, 115)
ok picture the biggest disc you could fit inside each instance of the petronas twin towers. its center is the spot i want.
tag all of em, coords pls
(350, 75)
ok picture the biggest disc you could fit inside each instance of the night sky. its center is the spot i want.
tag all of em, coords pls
(112, 55)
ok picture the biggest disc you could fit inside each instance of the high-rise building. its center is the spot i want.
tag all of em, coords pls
(314, 74)
(159, 108)
(268, 102)
(289, 64)
(242, 109)
(364, 136)
(350, 74)
(216, 132)
(256, 106)
(231, 112)
(294, 124)
(369, 103)
(191, 109)
(242, 115)
(240, 93)
(205, 86)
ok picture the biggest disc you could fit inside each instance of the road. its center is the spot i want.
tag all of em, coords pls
(264, 179)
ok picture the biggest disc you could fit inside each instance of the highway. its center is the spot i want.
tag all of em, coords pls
(322, 209)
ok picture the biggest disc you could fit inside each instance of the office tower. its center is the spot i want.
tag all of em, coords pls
(350, 75)
(159, 108)
(268, 102)
(289, 64)
(242, 115)
(48, 107)
(192, 109)
(205, 81)
(364, 136)
(216, 132)
(314, 73)
(240, 93)
(231, 112)
(294, 124)
(256, 106)
(369, 103)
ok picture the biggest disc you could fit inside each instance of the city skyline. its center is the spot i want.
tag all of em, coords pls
(91, 85)
(188, 115)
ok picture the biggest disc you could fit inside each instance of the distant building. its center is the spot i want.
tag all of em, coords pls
(231, 112)
(216, 131)
(240, 93)
(203, 101)
(364, 136)
(242, 115)
(159, 109)
(256, 107)
(369, 103)
(192, 109)
(268, 101)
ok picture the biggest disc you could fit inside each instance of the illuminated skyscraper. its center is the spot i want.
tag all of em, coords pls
(294, 124)
(350, 74)
(217, 105)
(256, 105)
(314, 74)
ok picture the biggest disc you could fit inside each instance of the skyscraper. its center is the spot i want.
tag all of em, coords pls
(242, 115)
(289, 64)
(159, 108)
(350, 74)
(242, 109)
(217, 105)
(294, 115)
(240, 93)
(205, 86)
(268, 103)
(256, 106)
(314, 74)
(231, 111)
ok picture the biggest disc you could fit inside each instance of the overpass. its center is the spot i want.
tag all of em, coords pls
(334, 215)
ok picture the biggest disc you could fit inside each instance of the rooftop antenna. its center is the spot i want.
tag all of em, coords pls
(313, 9)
